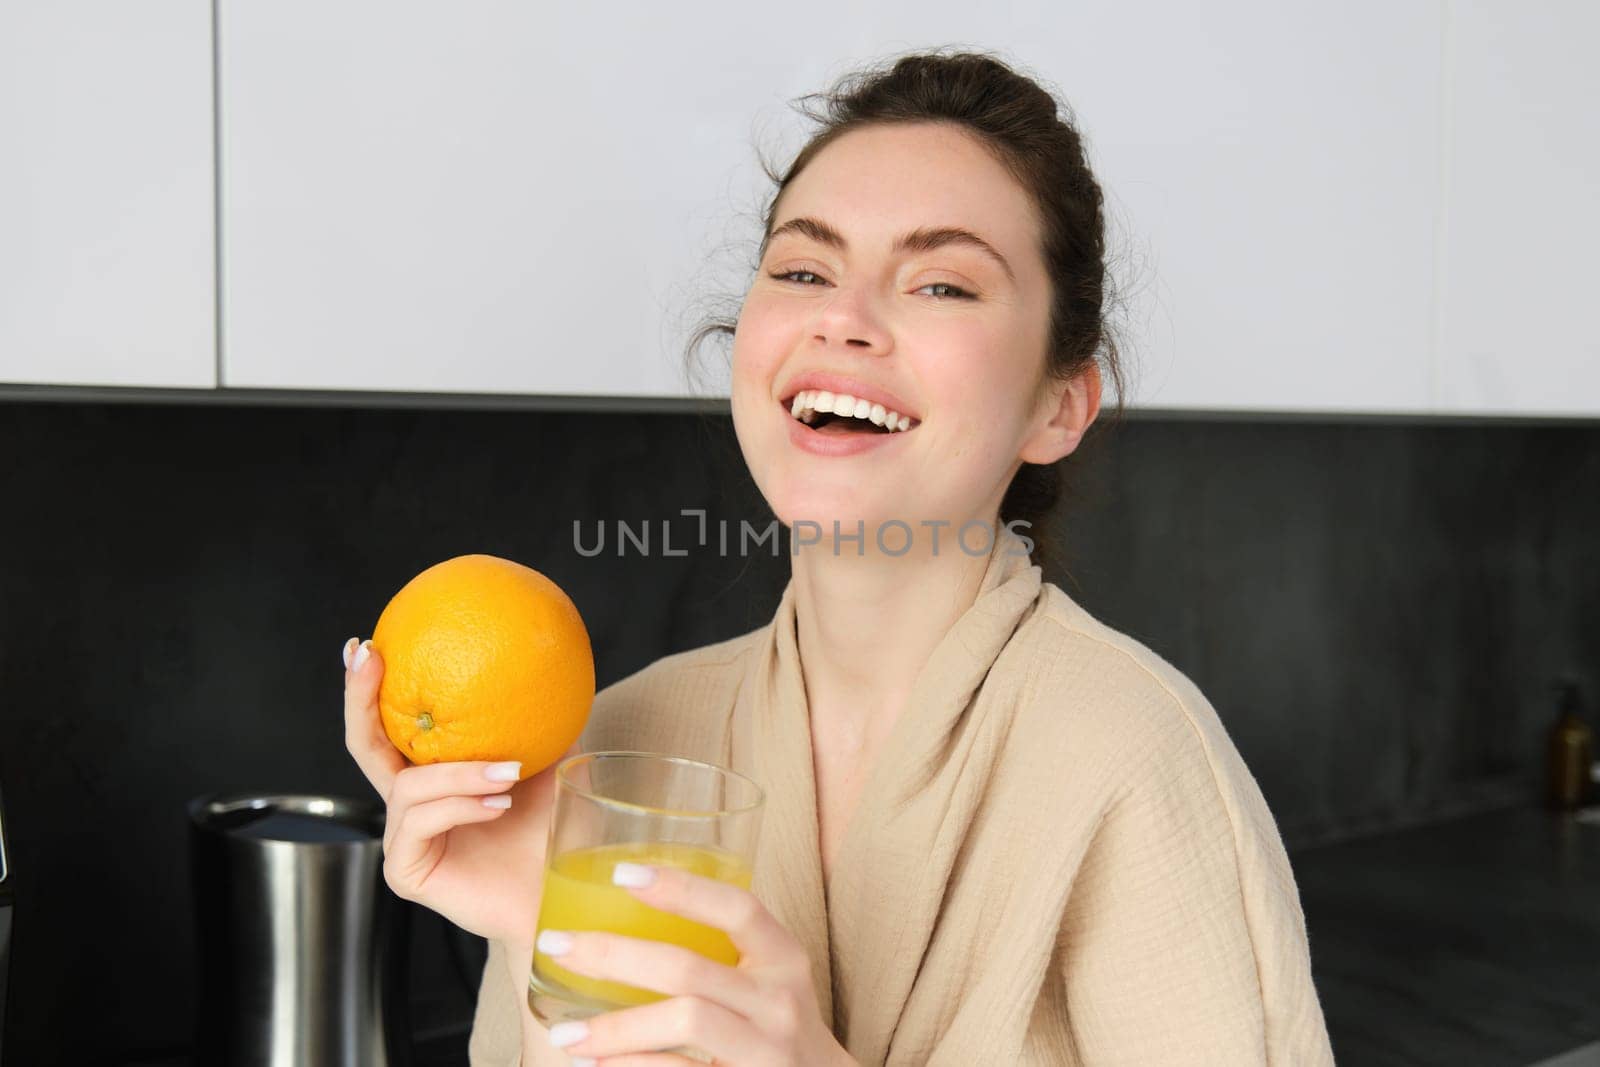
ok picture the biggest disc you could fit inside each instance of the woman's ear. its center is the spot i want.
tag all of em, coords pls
(1068, 409)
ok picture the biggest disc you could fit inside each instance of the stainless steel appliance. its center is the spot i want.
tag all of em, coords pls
(301, 943)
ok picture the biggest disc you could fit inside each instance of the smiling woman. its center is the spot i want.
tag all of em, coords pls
(1015, 143)
(997, 830)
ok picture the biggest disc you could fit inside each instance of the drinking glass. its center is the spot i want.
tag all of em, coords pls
(636, 807)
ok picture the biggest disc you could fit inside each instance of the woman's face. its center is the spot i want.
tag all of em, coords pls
(937, 328)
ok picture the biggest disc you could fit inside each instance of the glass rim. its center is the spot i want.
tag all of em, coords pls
(564, 781)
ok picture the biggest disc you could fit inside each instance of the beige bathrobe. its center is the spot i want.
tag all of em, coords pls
(1059, 859)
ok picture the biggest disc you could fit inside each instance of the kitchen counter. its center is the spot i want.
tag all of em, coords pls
(1475, 941)
(1470, 943)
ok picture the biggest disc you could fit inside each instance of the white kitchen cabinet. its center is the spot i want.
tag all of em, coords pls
(1364, 208)
(502, 197)
(1270, 172)
(491, 196)
(106, 214)
(1518, 277)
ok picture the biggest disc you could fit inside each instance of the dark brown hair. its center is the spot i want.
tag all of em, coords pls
(1032, 136)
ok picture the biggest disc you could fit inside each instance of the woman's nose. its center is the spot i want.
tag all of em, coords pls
(851, 319)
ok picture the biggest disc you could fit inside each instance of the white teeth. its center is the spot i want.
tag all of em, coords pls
(808, 403)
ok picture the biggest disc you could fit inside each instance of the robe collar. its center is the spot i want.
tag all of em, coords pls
(866, 946)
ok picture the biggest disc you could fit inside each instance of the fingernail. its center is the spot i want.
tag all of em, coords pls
(498, 800)
(632, 875)
(582, 1061)
(554, 942)
(349, 650)
(503, 772)
(569, 1033)
(363, 654)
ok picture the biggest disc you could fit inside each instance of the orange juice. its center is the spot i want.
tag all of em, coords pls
(578, 895)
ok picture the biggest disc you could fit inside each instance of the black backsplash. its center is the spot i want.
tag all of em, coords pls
(1377, 610)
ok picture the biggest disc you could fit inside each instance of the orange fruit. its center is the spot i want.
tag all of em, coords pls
(483, 659)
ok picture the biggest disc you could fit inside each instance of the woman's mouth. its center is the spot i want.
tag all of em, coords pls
(839, 413)
(835, 424)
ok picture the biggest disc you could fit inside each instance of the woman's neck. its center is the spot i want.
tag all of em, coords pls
(867, 624)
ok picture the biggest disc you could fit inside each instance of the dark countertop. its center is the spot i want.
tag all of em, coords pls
(1469, 943)
(1474, 941)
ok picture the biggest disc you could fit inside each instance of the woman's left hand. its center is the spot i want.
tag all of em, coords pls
(761, 1013)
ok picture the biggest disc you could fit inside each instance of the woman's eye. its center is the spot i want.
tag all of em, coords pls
(953, 291)
(784, 276)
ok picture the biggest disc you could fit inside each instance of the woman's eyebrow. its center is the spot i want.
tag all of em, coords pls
(925, 239)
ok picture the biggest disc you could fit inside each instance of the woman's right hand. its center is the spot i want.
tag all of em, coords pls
(479, 866)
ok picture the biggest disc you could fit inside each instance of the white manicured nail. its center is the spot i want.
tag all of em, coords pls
(349, 650)
(554, 942)
(363, 654)
(498, 800)
(503, 772)
(568, 1033)
(632, 875)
